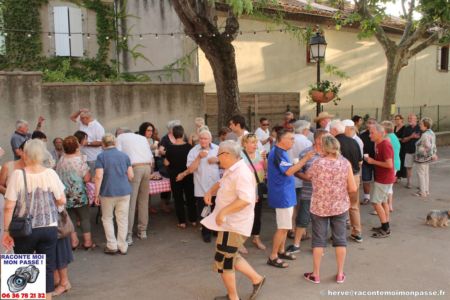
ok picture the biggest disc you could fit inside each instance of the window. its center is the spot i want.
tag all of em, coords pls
(68, 31)
(443, 62)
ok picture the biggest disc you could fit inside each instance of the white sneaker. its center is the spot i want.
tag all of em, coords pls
(130, 239)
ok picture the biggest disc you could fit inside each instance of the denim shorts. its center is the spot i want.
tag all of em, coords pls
(320, 230)
(367, 172)
(303, 215)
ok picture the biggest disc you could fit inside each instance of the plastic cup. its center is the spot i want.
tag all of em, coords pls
(296, 160)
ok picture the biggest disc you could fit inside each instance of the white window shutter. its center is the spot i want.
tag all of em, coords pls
(60, 21)
(76, 30)
(2, 45)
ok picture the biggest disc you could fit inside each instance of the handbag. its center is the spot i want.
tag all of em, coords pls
(65, 225)
(261, 187)
(21, 226)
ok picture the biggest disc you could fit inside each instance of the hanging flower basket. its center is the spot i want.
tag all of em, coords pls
(324, 92)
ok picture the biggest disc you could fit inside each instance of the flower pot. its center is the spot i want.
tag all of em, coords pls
(321, 97)
(330, 95)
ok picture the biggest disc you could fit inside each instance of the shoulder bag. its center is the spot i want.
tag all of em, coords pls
(261, 186)
(21, 226)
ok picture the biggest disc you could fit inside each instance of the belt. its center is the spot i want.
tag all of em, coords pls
(141, 165)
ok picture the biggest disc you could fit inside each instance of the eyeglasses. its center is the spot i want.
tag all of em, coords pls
(221, 154)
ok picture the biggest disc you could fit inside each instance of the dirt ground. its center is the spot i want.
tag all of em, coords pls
(176, 264)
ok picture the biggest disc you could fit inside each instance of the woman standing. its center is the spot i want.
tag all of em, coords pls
(257, 162)
(183, 190)
(44, 192)
(74, 173)
(425, 153)
(332, 181)
(199, 125)
(399, 130)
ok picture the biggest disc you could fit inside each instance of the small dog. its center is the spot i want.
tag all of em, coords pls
(438, 218)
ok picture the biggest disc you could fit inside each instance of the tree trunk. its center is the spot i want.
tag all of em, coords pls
(390, 87)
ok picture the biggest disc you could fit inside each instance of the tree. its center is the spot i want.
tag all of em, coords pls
(432, 27)
(200, 22)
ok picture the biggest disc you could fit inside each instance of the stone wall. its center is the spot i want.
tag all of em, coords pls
(24, 96)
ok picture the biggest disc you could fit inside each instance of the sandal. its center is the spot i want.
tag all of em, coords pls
(289, 256)
(291, 234)
(311, 278)
(91, 247)
(340, 278)
(181, 225)
(277, 262)
(243, 250)
(61, 289)
(381, 234)
(76, 246)
(258, 244)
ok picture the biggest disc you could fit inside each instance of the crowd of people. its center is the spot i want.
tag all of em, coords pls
(309, 174)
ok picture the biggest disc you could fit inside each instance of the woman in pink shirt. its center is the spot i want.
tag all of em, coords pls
(332, 181)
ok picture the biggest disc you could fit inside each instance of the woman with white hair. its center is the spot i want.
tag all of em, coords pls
(37, 191)
(199, 126)
(425, 153)
(332, 181)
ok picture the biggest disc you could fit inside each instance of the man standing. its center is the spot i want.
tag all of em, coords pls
(323, 120)
(351, 151)
(141, 158)
(95, 132)
(281, 194)
(263, 134)
(350, 131)
(237, 126)
(410, 136)
(233, 219)
(21, 135)
(288, 117)
(367, 169)
(384, 178)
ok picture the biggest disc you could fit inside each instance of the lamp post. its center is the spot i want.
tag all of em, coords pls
(317, 45)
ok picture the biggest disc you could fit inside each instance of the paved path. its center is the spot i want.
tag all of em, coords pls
(175, 264)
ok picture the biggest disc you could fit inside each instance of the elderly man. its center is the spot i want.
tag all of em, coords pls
(350, 131)
(323, 120)
(21, 135)
(233, 219)
(410, 136)
(367, 169)
(281, 193)
(351, 151)
(137, 149)
(202, 161)
(95, 132)
(384, 178)
(113, 174)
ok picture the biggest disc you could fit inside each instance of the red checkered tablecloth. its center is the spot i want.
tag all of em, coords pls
(155, 187)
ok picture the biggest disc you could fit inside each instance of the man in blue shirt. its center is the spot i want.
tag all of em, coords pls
(281, 193)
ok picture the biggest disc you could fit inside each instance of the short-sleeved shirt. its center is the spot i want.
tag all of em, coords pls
(369, 146)
(95, 132)
(238, 182)
(410, 146)
(263, 135)
(306, 191)
(351, 151)
(115, 173)
(206, 174)
(396, 147)
(17, 139)
(45, 187)
(177, 157)
(301, 142)
(383, 152)
(135, 146)
(281, 188)
(329, 180)
(71, 171)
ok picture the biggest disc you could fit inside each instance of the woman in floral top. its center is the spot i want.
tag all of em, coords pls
(73, 170)
(332, 181)
(425, 153)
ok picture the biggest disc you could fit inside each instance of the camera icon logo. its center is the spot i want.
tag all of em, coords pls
(21, 277)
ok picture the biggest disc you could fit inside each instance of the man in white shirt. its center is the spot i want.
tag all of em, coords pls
(237, 126)
(350, 131)
(202, 161)
(138, 150)
(95, 133)
(233, 218)
(263, 134)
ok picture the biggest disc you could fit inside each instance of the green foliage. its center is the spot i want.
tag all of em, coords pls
(325, 86)
(179, 66)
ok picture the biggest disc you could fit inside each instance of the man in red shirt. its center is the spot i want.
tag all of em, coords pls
(384, 178)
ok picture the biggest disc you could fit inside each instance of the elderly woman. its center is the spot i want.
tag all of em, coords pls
(332, 181)
(203, 163)
(425, 153)
(183, 190)
(73, 170)
(199, 125)
(44, 192)
(113, 173)
(257, 162)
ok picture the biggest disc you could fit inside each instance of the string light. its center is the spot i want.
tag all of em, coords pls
(88, 36)
(141, 37)
(29, 35)
(49, 35)
(156, 35)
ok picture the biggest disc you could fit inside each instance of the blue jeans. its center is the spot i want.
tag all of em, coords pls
(42, 240)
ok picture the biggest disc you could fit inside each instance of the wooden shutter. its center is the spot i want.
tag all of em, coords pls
(76, 30)
(61, 26)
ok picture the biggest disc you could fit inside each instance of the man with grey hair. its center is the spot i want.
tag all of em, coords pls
(384, 178)
(94, 131)
(21, 135)
(138, 150)
(233, 218)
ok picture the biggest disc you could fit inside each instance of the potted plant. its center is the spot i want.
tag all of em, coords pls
(324, 92)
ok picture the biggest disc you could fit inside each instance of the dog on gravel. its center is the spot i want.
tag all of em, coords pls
(437, 218)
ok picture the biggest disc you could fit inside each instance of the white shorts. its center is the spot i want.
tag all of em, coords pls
(380, 193)
(409, 160)
(284, 217)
